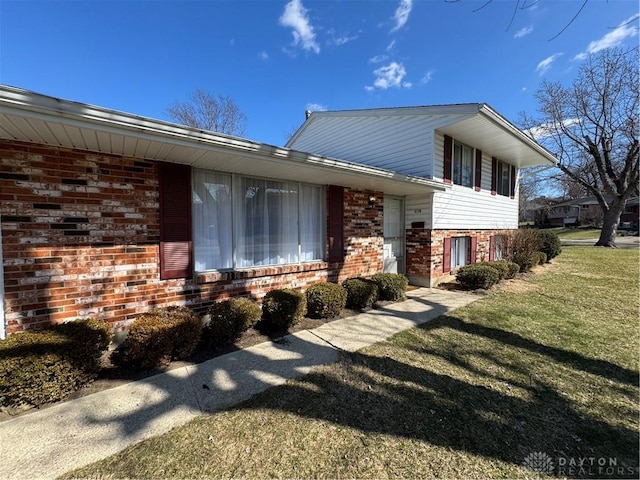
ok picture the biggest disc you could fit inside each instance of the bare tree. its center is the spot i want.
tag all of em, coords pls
(592, 127)
(208, 112)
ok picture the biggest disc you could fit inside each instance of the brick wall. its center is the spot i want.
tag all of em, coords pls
(80, 238)
(425, 252)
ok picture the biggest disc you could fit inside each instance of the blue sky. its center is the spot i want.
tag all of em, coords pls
(278, 58)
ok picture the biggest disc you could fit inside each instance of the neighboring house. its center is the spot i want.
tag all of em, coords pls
(106, 214)
(584, 211)
(470, 148)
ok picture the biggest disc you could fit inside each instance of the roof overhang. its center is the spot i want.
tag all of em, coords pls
(30, 117)
(489, 131)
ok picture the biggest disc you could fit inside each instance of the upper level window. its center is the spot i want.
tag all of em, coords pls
(462, 164)
(503, 180)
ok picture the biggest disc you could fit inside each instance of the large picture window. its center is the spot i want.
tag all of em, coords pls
(245, 222)
(462, 164)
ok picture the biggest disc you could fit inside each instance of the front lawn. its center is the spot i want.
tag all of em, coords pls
(583, 233)
(543, 371)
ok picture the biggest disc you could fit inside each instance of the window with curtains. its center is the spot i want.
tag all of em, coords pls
(245, 222)
(462, 164)
(459, 251)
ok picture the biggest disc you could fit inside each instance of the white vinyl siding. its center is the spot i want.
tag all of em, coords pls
(418, 208)
(402, 143)
(463, 208)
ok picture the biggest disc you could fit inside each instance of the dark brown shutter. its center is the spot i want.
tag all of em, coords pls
(448, 158)
(473, 249)
(513, 182)
(175, 221)
(494, 175)
(478, 176)
(446, 264)
(492, 248)
(335, 200)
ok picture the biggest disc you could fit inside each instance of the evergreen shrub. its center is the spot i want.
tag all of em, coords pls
(325, 300)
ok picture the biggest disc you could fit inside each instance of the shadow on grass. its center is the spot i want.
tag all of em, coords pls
(385, 396)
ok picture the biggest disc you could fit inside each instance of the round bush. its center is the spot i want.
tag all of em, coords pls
(540, 258)
(325, 300)
(391, 286)
(283, 308)
(473, 277)
(228, 319)
(362, 294)
(512, 268)
(501, 268)
(525, 260)
(47, 365)
(157, 337)
(551, 245)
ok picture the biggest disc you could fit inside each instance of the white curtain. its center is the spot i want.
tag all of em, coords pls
(311, 223)
(267, 222)
(212, 221)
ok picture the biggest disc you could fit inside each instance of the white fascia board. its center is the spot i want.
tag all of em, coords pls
(48, 109)
(505, 124)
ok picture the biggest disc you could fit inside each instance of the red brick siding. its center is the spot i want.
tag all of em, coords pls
(80, 238)
(425, 251)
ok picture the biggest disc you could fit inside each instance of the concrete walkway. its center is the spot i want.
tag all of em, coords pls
(49, 442)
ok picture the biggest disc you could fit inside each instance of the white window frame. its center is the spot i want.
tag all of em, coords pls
(463, 159)
(235, 209)
(459, 251)
(503, 183)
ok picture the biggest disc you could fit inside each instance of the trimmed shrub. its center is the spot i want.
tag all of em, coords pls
(512, 268)
(325, 300)
(362, 294)
(391, 286)
(283, 308)
(501, 268)
(229, 319)
(157, 337)
(476, 276)
(47, 365)
(551, 245)
(540, 258)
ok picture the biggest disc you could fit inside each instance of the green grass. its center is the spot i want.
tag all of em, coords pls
(586, 233)
(550, 368)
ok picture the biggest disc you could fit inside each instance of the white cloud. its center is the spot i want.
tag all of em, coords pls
(378, 59)
(544, 66)
(391, 45)
(615, 37)
(402, 14)
(295, 16)
(546, 130)
(340, 40)
(523, 32)
(263, 55)
(427, 77)
(391, 75)
(316, 107)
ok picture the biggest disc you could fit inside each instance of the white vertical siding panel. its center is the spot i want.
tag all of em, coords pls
(419, 209)
(464, 208)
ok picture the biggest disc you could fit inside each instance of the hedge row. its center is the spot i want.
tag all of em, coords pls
(486, 274)
(44, 366)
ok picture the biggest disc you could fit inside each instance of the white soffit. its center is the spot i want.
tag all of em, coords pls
(30, 117)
